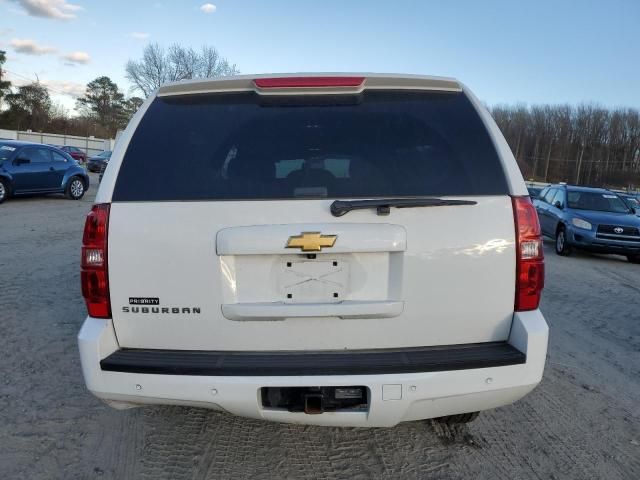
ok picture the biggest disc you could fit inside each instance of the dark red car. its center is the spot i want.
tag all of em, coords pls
(75, 152)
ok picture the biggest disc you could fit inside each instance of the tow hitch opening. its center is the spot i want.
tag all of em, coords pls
(316, 400)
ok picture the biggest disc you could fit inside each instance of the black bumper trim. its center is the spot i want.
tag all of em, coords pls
(324, 362)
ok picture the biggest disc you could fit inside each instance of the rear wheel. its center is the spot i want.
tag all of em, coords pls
(4, 190)
(562, 246)
(75, 189)
(633, 258)
(457, 419)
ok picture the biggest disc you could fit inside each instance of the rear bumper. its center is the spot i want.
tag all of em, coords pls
(296, 363)
(394, 397)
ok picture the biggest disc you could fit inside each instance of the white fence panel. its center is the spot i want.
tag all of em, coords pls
(8, 134)
(90, 145)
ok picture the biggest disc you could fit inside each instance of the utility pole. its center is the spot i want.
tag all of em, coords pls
(546, 168)
(579, 165)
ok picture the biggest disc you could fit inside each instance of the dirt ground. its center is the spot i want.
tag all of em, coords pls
(582, 422)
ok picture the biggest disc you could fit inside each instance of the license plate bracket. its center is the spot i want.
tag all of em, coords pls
(314, 281)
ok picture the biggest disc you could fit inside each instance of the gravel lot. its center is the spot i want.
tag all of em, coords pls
(582, 422)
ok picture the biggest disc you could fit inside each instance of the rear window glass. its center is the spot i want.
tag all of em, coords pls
(380, 144)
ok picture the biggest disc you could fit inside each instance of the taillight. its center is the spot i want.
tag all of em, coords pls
(93, 271)
(302, 82)
(529, 255)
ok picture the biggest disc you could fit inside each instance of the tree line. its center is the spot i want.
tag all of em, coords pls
(104, 108)
(584, 144)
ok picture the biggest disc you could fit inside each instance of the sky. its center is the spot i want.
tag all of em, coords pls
(506, 51)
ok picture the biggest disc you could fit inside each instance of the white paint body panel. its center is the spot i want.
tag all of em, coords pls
(436, 393)
(454, 274)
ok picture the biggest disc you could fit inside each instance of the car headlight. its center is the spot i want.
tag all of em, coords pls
(580, 223)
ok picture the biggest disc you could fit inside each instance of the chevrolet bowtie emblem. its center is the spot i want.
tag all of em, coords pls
(311, 241)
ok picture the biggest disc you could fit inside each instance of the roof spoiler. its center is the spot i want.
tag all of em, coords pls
(310, 83)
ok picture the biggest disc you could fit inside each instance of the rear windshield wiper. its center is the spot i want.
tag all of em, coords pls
(383, 205)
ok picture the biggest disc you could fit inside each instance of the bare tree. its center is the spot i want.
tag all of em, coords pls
(213, 65)
(159, 65)
(150, 72)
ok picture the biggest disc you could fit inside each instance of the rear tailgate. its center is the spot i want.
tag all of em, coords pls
(217, 195)
(447, 272)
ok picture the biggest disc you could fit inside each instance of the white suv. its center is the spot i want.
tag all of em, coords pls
(354, 250)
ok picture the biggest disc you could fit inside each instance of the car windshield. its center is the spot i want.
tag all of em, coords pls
(6, 151)
(105, 154)
(597, 201)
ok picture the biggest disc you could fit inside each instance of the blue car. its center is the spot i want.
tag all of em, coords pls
(33, 168)
(592, 219)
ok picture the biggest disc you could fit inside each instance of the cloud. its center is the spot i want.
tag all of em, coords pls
(64, 87)
(77, 57)
(139, 35)
(208, 8)
(56, 9)
(30, 47)
(5, 31)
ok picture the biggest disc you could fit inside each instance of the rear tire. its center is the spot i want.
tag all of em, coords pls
(633, 258)
(562, 246)
(75, 188)
(4, 190)
(458, 419)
